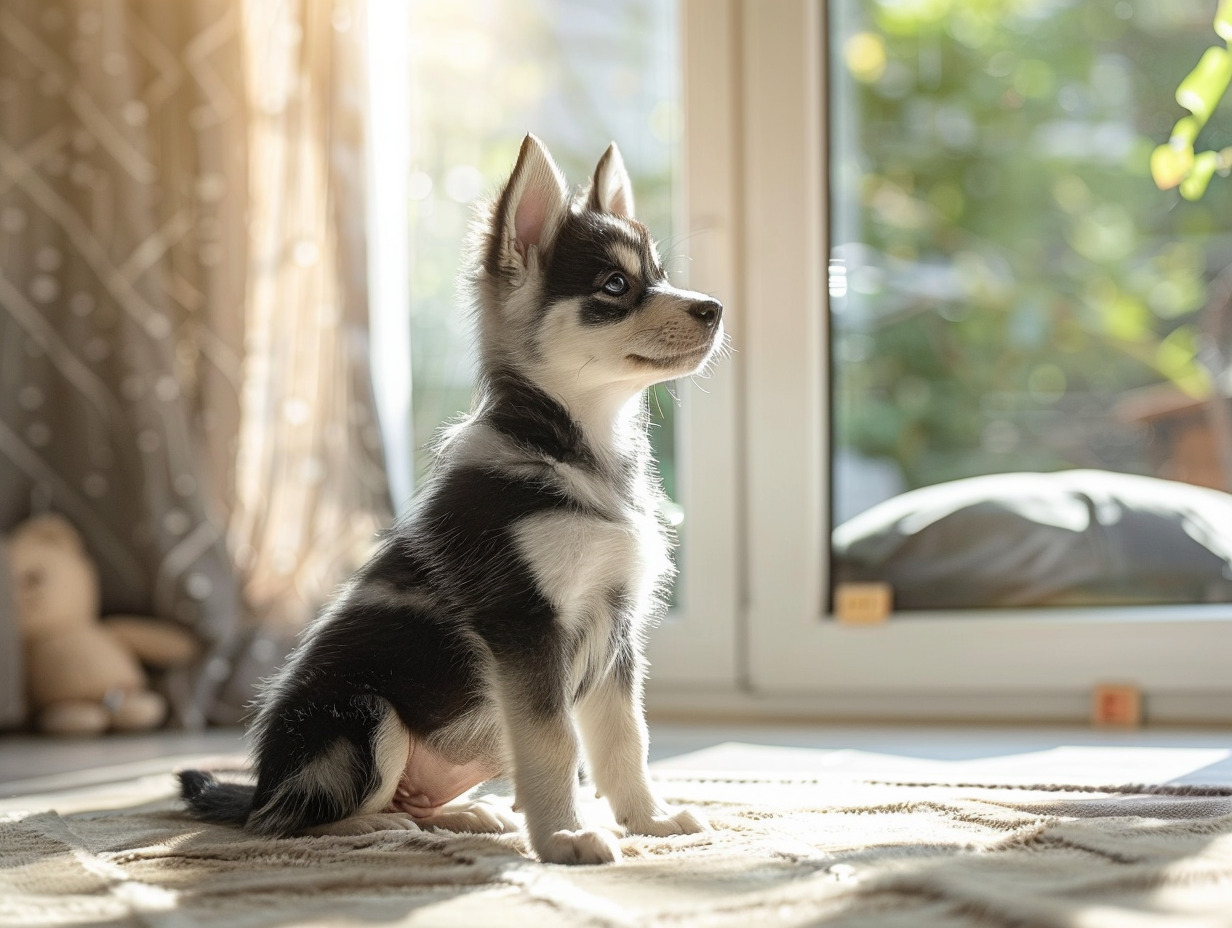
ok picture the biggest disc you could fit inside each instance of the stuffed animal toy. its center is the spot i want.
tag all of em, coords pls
(84, 676)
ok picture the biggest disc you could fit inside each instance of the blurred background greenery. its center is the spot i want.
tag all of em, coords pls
(1009, 288)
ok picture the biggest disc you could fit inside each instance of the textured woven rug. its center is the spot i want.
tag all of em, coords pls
(784, 851)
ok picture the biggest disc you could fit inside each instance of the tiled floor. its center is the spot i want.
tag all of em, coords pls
(938, 754)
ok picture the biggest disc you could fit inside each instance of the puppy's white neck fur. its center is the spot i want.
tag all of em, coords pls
(608, 415)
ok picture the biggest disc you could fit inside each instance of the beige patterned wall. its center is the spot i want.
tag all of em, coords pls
(183, 336)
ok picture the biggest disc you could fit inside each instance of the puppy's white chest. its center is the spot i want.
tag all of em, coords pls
(581, 561)
(600, 577)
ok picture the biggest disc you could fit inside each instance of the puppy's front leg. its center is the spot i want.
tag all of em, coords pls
(545, 758)
(614, 728)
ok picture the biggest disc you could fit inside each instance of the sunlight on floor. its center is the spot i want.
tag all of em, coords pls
(1081, 765)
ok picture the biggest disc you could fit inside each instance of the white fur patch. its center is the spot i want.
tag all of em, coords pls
(390, 747)
(576, 557)
(629, 259)
(578, 561)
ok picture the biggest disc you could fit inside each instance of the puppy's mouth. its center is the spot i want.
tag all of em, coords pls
(671, 361)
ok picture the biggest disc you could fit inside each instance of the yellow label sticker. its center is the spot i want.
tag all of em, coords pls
(863, 603)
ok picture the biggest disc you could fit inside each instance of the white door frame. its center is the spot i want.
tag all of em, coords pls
(698, 645)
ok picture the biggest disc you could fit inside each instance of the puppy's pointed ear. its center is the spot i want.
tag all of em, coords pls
(611, 191)
(530, 210)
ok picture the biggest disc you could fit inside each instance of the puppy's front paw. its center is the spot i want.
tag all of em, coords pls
(680, 822)
(578, 847)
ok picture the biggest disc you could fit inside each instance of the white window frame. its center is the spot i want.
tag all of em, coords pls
(754, 636)
(699, 645)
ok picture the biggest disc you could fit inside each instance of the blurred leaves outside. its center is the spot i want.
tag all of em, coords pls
(1174, 163)
(1007, 271)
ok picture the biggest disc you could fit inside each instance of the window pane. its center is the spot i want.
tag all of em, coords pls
(577, 74)
(1011, 294)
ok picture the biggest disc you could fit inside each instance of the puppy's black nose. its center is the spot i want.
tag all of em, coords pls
(707, 312)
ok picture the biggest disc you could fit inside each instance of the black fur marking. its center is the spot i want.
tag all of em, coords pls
(470, 524)
(534, 658)
(582, 258)
(464, 521)
(213, 801)
(535, 421)
(618, 600)
(601, 311)
(629, 666)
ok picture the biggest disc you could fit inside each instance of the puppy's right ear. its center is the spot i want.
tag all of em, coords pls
(530, 211)
(611, 191)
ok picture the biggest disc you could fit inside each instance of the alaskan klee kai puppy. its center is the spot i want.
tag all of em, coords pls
(513, 600)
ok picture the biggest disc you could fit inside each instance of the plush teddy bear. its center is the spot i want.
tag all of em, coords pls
(83, 676)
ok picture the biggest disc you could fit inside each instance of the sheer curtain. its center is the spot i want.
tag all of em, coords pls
(183, 311)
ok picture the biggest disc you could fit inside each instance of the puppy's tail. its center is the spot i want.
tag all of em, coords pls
(212, 800)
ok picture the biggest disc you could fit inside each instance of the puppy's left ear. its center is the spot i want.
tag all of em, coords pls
(530, 210)
(611, 191)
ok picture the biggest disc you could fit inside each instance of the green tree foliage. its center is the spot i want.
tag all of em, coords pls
(1174, 164)
(1009, 274)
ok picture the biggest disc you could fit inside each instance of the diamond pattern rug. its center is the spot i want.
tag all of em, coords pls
(786, 850)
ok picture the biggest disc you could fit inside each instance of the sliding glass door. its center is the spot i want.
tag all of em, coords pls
(985, 392)
(1028, 338)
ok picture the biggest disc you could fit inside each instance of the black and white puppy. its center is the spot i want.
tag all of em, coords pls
(506, 614)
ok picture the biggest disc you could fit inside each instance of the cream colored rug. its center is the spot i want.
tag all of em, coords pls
(787, 851)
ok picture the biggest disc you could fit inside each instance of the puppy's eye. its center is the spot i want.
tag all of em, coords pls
(616, 285)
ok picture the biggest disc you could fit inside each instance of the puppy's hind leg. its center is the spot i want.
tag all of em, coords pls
(365, 825)
(331, 769)
(433, 787)
(474, 816)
